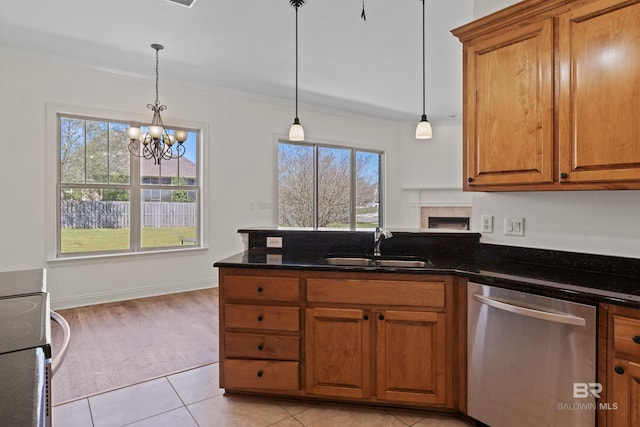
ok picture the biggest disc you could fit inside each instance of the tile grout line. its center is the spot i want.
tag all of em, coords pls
(184, 405)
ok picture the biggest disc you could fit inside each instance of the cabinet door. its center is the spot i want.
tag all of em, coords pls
(411, 357)
(599, 126)
(338, 352)
(625, 393)
(509, 107)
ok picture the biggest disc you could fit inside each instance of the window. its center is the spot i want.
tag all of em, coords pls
(321, 186)
(109, 201)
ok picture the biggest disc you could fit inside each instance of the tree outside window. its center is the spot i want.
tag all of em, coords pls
(328, 187)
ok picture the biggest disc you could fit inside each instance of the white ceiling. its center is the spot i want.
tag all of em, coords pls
(371, 67)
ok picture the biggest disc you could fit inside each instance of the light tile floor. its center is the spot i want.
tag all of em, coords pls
(192, 399)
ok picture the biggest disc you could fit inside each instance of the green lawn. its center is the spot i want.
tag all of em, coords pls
(111, 239)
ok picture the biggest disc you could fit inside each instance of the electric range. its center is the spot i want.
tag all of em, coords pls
(25, 348)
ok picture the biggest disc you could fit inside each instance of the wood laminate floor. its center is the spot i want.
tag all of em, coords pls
(123, 343)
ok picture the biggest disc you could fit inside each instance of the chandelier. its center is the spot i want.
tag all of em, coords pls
(156, 144)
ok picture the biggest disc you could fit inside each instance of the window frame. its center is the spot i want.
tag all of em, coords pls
(316, 146)
(54, 112)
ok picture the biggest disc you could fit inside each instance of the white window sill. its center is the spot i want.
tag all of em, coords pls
(116, 256)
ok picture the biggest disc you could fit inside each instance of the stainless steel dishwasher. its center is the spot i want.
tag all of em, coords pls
(531, 359)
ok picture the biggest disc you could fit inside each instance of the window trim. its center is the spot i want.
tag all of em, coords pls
(52, 173)
(353, 177)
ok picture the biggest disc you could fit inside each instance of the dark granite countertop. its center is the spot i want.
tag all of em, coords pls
(571, 276)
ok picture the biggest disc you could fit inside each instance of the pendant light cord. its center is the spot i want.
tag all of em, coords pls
(296, 7)
(423, 66)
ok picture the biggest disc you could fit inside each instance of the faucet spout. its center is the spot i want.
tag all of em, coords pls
(379, 236)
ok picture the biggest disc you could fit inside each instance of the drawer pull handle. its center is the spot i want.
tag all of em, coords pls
(564, 175)
(260, 347)
(619, 370)
(365, 317)
(381, 317)
(260, 318)
(636, 339)
(259, 374)
(260, 289)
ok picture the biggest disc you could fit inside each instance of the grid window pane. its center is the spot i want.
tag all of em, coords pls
(94, 219)
(169, 218)
(72, 153)
(334, 187)
(295, 185)
(97, 152)
(367, 189)
(119, 157)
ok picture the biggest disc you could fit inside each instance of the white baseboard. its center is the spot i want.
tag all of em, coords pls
(150, 291)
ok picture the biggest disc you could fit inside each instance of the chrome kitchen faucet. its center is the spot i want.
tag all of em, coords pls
(380, 235)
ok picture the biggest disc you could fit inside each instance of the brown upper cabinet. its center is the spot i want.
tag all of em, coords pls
(552, 97)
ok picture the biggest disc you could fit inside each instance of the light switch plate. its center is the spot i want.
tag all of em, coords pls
(513, 226)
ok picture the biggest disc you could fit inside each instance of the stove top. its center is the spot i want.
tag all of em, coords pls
(25, 323)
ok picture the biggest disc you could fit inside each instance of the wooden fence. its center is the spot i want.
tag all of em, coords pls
(112, 214)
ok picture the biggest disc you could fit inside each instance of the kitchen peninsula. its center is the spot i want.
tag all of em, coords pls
(293, 324)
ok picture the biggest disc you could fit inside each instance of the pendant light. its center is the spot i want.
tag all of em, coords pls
(423, 130)
(296, 132)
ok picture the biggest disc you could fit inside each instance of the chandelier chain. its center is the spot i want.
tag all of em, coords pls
(157, 68)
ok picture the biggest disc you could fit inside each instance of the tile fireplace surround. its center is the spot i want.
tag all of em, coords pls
(443, 211)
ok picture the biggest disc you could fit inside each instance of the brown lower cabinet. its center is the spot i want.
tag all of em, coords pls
(383, 338)
(387, 344)
(620, 406)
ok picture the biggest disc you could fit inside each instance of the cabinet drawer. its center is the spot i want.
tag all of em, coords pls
(626, 331)
(377, 292)
(261, 346)
(257, 288)
(262, 317)
(261, 374)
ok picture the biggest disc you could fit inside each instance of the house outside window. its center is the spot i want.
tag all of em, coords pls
(329, 187)
(112, 202)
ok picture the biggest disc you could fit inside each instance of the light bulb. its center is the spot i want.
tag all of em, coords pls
(180, 135)
(155, 131)
(133, 132)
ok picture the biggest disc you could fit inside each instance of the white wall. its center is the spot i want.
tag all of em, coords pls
(485, 7)
(240, 173)
(428, 171)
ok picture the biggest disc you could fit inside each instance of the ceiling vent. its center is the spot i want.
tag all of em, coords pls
(187, 3)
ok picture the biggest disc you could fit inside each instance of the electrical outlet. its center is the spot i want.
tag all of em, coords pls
(274, 242)
(513, 226)
(487, 224)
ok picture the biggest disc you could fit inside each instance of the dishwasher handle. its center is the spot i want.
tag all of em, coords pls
(513, 307)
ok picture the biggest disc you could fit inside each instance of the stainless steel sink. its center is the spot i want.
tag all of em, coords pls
(376, 262)
(349, 261)
(403, 263)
